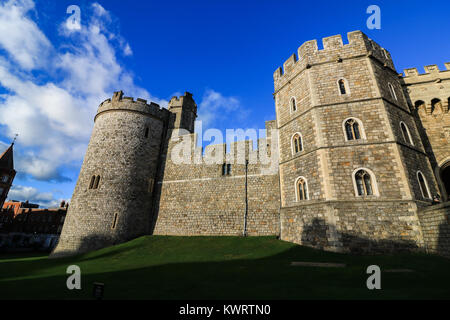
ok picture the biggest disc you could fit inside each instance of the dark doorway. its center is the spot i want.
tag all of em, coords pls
(445, 176)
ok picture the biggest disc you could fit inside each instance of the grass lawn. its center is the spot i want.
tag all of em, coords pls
(160, 267)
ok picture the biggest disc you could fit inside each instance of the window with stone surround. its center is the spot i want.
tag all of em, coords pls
(226, 169)
(91, 184)
(343, 86)
(405, 133)
(293, 104)
(364, 182)
(392, 91)
(95, 181)
(301, 188)
(296, 143)
(114, 224)
(353, 129)
(423, 185)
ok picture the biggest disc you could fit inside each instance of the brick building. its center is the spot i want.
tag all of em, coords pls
(356, 154)
(24, 225)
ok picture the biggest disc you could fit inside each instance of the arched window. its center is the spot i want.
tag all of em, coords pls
(293, 105)
(301, 187)
(405, 132)
(97, 181)
(343, 87)
(365, 183)
(91, 185)
(352, 129)
(423, 185)
(392, 90)
(297, 143)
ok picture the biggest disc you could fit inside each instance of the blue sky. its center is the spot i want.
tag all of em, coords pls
(224, 52)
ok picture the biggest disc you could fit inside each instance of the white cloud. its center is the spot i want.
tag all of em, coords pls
(99, 10)
(215, 107)
(44, 199)
(51, 90)
(127, 50)
(21, 38)
(54, 117)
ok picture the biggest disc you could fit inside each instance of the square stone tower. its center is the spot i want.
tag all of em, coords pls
(353, 169)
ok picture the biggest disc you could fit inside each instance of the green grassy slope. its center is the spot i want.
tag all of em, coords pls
(159, 267)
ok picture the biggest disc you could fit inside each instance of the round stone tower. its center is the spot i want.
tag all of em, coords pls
(112, 199)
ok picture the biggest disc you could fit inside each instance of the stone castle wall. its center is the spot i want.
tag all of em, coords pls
(144, 189)
(374, 96)
(435, 223)
(124, 156)
(197, 199)
(428, 97)
(368, 226)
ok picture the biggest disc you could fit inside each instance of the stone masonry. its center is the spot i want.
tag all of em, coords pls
(314, 196)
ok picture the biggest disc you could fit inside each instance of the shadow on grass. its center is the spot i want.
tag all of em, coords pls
(270, 277)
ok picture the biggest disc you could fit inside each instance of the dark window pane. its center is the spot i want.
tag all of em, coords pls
(368, 184)
(356, 131)
(359, 183)
(342, 86)
(348, 129)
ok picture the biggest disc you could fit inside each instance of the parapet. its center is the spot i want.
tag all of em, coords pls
(432, 73)
(235, 152)
(334, 50)
(185, 100)
(119, 102)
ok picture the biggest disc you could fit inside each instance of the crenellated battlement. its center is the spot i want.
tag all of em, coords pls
(185, 100)
(334, 50)
(235, 152)
(431, 72)
(120, 102)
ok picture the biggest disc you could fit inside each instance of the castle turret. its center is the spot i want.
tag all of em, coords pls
(185, 111)
(350, 152)
(112, 200)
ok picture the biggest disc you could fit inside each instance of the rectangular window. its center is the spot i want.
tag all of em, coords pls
(226, 169)
(114, 221)
(151, 184)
